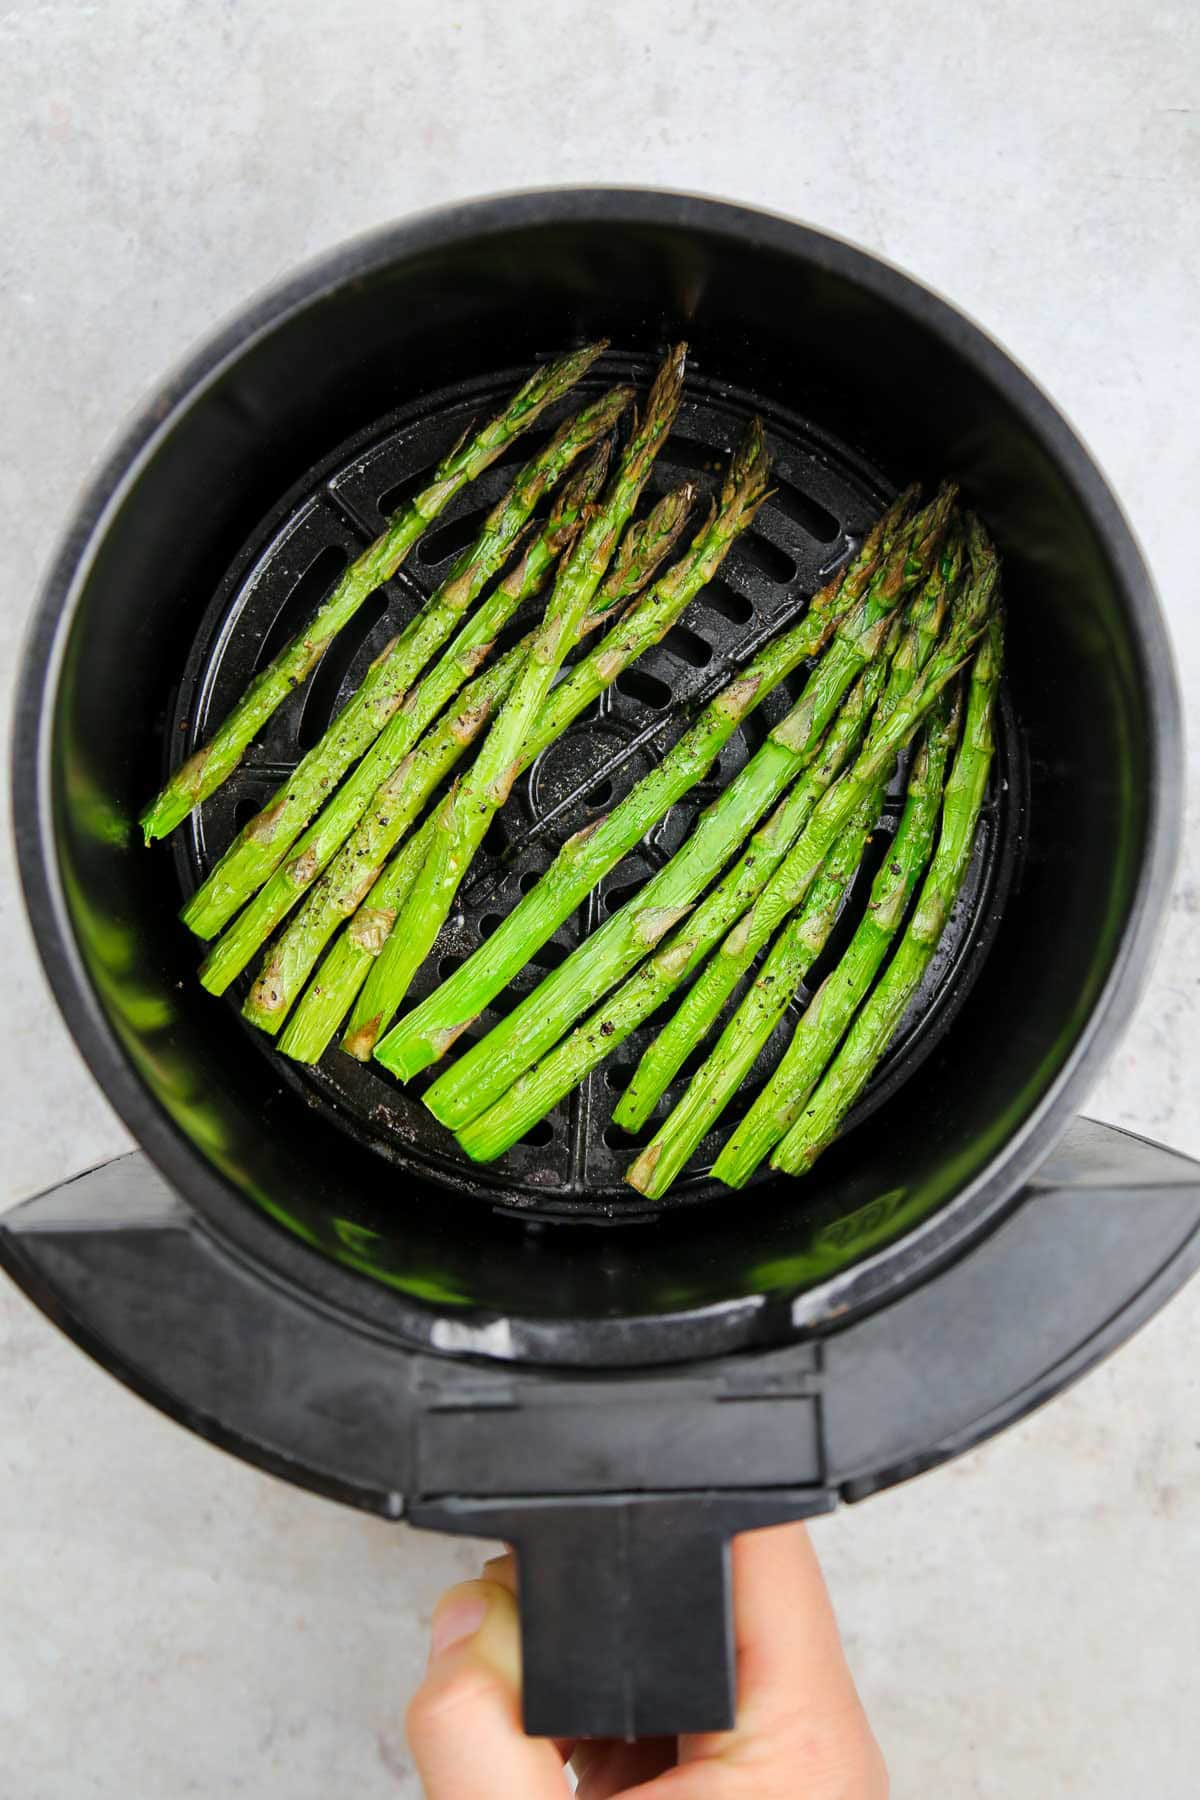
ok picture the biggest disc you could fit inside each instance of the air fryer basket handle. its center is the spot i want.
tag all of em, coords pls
(625, 1593)
(626, 1605)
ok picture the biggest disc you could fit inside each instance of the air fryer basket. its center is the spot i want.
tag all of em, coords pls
(824, 495)
(530, 1350)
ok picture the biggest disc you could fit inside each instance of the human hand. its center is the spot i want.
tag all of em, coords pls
(801, 1732)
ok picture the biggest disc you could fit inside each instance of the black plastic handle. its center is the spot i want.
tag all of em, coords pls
(626, 1606)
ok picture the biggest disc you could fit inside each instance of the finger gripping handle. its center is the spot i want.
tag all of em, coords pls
(626, 1606)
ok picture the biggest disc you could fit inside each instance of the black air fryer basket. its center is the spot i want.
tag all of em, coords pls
(298, 1263)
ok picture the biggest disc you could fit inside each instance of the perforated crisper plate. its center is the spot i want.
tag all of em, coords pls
(824, 497)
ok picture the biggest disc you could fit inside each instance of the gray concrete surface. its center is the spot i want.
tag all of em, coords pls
(1023, 1623)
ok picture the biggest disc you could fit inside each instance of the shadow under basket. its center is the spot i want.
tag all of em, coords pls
(298, 1263)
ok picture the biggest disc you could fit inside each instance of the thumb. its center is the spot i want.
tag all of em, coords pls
(464, 1721)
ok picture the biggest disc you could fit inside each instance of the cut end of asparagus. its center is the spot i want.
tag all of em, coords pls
(264, 1004)
(640, 1173)
(301, 1041)
(795, 1162)
(269, 1022)
(625, 1114)
(446, 1113)
(732, 1178)
(360, 1043)
(403, 1059)
(214, 976)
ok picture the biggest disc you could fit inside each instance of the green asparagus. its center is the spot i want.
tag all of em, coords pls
(742, 493)
(214, 762)
(793, 954)
(353, 871)
(701, 1007)
(471, 645)
(655, 1169)
(514, 1044)
(463, 820)
(351, 956)
(360, 954)
(262, 844)
(488, 1070)
(362, 948)
(876, 1024)
(533, 1094)
(433, 1026)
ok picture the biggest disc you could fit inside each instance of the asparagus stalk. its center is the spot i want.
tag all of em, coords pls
(793, 954)
(687, 1124)
(353, 956)
(263, 843)
(429, 1031)
(462, 657)
(829, 1012)
(742, 493)
(215, 761)
(702, 1005)
(513, 1045)
(533, 1094)
(361, 954)
(876, 1024)
(352, 873)
(464, 818)
(353, 953)
(641, 553)
(487, 1071)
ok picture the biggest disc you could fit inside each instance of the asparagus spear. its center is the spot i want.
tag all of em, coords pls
(353, 954)
(353, 871)
(215, 761)
(702, 1005)
(514, 1044)
(342, 812)
(687, 1124)
(470, 806)
(876, 1024)
(831, 1009)
(361, 954)
(742, 493)
(429, 1031)
(262, 844)
(485, 1072)
(791, 957)
(533, 1094)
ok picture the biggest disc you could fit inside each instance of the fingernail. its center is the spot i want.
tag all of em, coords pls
(457, 1620)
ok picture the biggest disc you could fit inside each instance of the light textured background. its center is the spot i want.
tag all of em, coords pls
(171, 1623)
